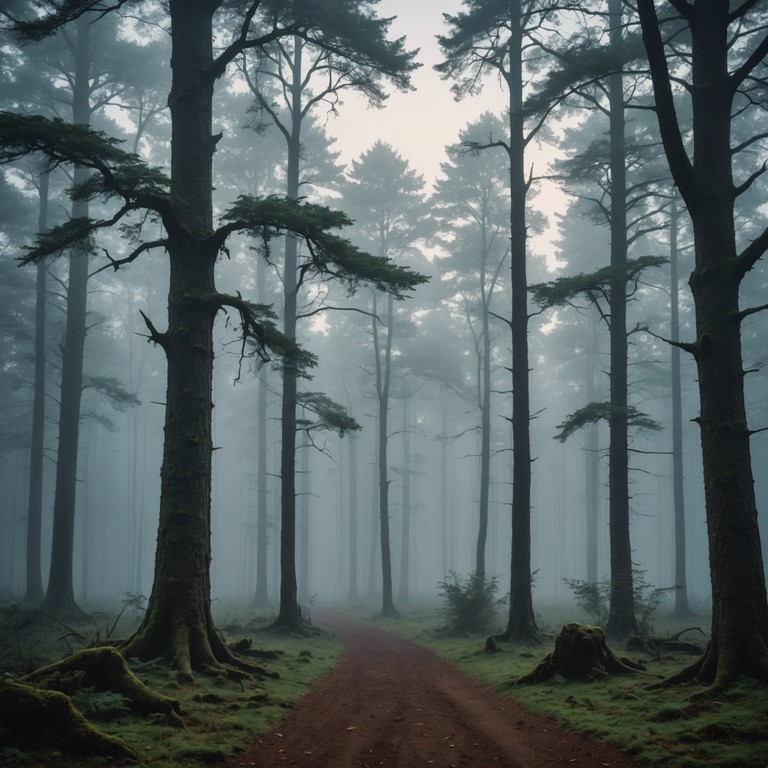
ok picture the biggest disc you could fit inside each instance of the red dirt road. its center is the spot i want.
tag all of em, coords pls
(392, 703)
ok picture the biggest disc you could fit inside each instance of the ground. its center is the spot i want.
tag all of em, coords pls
(391, 703)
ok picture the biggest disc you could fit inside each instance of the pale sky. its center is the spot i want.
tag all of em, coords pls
(420, 123)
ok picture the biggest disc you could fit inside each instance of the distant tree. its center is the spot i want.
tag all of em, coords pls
(178, 623)
(721, 70)
(616, 174)
(386, 199)
(472, 203)
(308, 76)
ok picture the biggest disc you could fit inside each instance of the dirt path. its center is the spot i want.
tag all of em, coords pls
(392, 703)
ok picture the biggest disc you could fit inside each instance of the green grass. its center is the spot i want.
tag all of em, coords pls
(658, 728)
(221, 716)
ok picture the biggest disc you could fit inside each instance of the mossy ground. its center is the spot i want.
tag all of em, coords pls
(664, 727)
(220, 716)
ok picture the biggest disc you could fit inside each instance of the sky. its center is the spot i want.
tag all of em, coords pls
(420, 123)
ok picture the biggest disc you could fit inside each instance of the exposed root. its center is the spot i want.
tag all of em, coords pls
(103, 669)
(580, 652)
(38, 717)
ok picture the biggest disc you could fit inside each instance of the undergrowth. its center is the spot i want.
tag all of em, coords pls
(220, 716)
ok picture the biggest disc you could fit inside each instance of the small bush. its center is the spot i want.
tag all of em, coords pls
(469, 604)
(593, 597)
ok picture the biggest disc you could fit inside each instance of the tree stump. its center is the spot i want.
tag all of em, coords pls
(580, 652)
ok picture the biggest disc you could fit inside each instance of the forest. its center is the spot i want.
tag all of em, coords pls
(397, 311)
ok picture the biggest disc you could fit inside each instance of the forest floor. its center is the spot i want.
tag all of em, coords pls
(390, 702)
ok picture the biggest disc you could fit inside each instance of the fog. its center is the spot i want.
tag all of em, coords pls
(433, 412)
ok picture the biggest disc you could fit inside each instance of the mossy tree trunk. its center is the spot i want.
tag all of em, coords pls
(739, 636)
(178, 623)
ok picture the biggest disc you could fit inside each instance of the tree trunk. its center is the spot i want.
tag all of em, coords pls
(34, 584)
(521, 625)
(305, 589)
(289, 616)
(352, 447)
(681, 609)
(621, 618)
(403, 594)
(178, 624)
(592, 448)
(60, 599)
(261, 596)
(739, 637)
(485, 421)
(383, 376)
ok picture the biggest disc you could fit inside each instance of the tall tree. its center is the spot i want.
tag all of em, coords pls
(728, 49)
(178, 622)
(472, 210)
(386, 199)
(309, 76)
(494, 37)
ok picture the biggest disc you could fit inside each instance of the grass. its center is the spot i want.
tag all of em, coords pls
(658, 728)
(221, 716)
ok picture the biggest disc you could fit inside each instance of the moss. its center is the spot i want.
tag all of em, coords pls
(103, 669)
(36, 716)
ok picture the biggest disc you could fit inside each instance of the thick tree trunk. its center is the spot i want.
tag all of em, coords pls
(178, 624)
(739, 637)
(34, 583)
(59, 597)
(521, 625)
(621, 618)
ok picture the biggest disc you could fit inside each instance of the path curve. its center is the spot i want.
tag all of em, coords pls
(390, 702)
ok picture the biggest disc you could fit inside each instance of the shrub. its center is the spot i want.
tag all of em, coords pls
(593, 597)
(469, 603)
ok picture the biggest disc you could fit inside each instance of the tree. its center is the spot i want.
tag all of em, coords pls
(386, 199)
(308, 76)
(724, 64)
(470, 200)
(493, 36)
(178, 623)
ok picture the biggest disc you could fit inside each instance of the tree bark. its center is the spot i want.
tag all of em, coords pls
(739, 636)
(178, 624)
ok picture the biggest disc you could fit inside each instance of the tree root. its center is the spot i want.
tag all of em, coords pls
(580, 652)
(658, 645)
(103, 669)
(39, 717)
